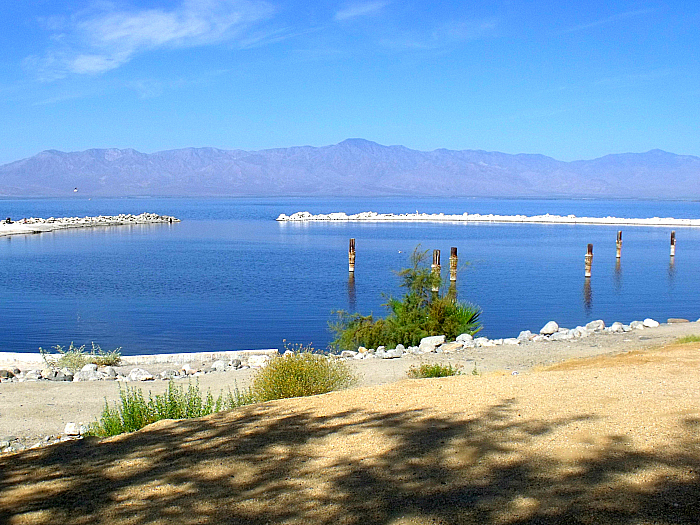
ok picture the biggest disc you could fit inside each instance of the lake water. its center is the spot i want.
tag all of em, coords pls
(230, 277)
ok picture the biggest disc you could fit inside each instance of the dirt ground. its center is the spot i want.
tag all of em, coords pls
(601, 439)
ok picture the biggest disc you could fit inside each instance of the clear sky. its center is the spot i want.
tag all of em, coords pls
(568, 79)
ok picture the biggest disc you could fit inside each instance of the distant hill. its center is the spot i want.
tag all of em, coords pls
(354, 167)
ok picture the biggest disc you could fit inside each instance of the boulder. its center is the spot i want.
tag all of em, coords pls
(109, 372)
(6, 374)
(481, 341)
(401, 347)
(236, 363)
(168, 374)
(429, 344)
(462, 338)
(349, 354)
(650, 323)
(90, 367)
(218, 365)
(677, 320)
(139, 374)
(449, 348)
(561, 336)
(362, 349)
(86, 375)
(511, 341)
(596, 326)
(72, 429)
(392, 354)
(525, 335)
(550, 328)
(32, 375)
(637, 325)
(617, 327)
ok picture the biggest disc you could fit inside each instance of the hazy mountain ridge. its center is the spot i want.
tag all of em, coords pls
(354, 167)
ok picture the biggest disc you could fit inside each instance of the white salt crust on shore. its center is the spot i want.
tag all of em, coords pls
(370, 216)
(40, 225)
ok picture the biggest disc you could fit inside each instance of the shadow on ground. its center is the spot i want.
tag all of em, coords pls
(269, 464)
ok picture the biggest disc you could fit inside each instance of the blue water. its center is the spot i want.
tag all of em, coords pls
(230, 277)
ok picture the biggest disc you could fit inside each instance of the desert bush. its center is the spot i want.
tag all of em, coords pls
(76, 357)
(419, 313)
(300, 374)
(134, 411)
(688, 339)
(433, 370)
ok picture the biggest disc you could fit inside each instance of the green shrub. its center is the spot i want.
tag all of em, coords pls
(300, 374)
(420, 313)
(434, 370)
(76, 357)
(688, 339)
(134, 411)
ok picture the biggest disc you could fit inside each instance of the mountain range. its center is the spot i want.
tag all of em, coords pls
(354, 167)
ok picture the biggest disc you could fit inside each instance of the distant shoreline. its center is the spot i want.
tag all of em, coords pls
(37, 225)
(370, 216)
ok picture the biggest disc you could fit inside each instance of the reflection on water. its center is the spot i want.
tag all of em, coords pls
(671, 271)
(352, 294)
(587, 296)
(617, 276)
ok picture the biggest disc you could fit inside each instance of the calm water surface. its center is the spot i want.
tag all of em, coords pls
(230, 277)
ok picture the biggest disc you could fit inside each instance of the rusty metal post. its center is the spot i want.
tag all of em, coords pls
(673, 244)
(453, 264)
(618, 244)
(589, 260)
(351, 256)
(436, 267)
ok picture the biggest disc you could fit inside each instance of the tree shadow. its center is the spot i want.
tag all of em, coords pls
(269, 464)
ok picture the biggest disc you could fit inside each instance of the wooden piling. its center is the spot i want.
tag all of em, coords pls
(673, 244)
(589, 260)
(618, 244)
(453, 264)
(436, 267)
(351, 256)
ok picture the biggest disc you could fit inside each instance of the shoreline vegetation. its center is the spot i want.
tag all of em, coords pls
(370, 216)
(38, 225)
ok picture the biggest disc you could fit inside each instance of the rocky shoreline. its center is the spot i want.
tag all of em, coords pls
(39, 225)
(39, 400)
(305, 216)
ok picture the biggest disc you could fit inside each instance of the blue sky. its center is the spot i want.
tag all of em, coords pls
(572, 80)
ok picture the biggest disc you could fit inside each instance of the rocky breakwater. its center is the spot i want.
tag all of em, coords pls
(370, 216)
(148, 368)
(550, 332)
(40, 225)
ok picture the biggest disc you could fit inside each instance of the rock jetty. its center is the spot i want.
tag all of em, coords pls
(370, 216)
(40, 225)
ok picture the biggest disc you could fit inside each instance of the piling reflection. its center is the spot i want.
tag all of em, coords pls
(587, 295)
(671, 270)
(617, 276)
(352, 295)
(452, 292)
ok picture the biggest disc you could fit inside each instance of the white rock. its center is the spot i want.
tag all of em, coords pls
(218, 365)
(488, 342)
(539, 338)
(525, 335)
(88, 375)
(187, 369)
(550, 328)
(392, 354)
(139, 374)
(596, 326)
(90, 367)
(362, 349)
(650, 323)
(258, 361)
(109, 371)
(511, 341)
(479, 341)
(462, 338)
(401, 347)
(348, 354)
(433, 340)
(617, 327)
(637, 325)
(561, 336)
(449, 348)
(72, 429)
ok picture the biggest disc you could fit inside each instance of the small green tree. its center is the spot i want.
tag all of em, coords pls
(419, 313)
